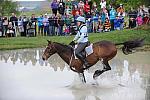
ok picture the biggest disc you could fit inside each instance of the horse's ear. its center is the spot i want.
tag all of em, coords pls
(49, 42)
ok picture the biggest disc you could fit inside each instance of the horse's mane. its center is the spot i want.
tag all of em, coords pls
(63, 47)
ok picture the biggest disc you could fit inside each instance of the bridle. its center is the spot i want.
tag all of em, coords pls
(52, 47)
(70, 60)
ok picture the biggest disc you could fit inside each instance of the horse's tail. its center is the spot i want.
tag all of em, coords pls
(128, 46)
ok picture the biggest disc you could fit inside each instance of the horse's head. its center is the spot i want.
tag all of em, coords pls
(50, 50)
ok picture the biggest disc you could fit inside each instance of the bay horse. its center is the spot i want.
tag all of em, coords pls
(102, 50)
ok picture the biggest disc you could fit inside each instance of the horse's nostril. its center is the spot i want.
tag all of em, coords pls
(43, 58)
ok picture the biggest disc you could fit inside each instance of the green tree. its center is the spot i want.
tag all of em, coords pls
(7, 7)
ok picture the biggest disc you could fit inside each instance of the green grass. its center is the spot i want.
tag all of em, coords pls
(40, 41)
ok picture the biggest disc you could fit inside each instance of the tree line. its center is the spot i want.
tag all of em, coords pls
(7, 7)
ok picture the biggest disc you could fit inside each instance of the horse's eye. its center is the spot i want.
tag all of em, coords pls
(49, 49)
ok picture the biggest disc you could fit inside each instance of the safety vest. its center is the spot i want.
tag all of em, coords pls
(80, 29)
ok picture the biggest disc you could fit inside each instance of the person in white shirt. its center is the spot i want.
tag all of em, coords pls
(82, 39)
(103, 4)
(46, 25)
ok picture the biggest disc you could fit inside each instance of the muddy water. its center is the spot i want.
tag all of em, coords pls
(24, 76)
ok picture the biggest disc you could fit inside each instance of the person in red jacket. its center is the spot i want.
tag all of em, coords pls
(86, 7)
(146, 19)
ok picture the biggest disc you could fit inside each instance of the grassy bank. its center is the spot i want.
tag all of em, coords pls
(39, 41)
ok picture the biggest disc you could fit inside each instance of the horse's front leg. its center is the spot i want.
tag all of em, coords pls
(82, 77)
(99, 72)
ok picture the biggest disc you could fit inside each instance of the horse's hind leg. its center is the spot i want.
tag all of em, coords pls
(106, 68)
(82, 77)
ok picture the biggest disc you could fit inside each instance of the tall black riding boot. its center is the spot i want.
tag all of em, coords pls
(83, 60)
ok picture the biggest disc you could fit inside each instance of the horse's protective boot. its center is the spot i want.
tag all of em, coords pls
(80, 56)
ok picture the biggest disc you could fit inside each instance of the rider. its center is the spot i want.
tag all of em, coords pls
(82, 39)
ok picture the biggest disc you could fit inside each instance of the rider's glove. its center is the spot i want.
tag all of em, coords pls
(72, 43)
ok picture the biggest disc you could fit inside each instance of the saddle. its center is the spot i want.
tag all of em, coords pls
(87, 51)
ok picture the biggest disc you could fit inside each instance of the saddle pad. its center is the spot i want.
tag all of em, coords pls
(89, 49)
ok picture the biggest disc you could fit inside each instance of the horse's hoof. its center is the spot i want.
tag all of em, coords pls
(97, 73)
(95, 84)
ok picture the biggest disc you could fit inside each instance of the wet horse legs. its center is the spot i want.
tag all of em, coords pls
(82, 77)
(99, 72)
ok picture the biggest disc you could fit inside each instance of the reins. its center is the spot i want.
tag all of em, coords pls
(71, 67)
(70, 60)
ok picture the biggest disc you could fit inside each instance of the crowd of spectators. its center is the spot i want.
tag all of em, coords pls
(62, 21)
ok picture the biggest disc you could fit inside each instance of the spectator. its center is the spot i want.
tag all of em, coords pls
(76, 16)
(68, 22)
(86, 8)
(74, 11)
(100, 27)
(103, 4)
(60, 25)
(25, 22)
(69, 4)
(146, 19)
(1, 26)
(5, 25)
(81, 8)
(54, 6)
(104, 15)
(33, 18)
(10, 30)
(149, 10)
(107, 25)
(81, 4)
(95, 22)
(74, 2)
(112, 17)
(145, 10)
(132, 18)
(61, 7)
(30, 29)
(81, 12)
(46, 25)
(94, 8)
(51, 25)
(89, 22)
(110, 7)
(14, 20)
(139, 20)
(117, 23)
(140, 11)
(20, 26)
(40, 25)
(121, 18)
(120, 10)
(34, 21)
(88, 15)
(66, 30)
(56, 25)
(67, 11)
